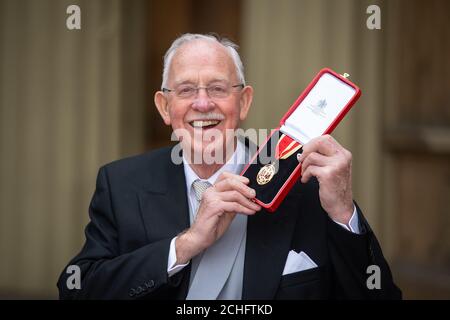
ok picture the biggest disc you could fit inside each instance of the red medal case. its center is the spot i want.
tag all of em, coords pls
(317, 111)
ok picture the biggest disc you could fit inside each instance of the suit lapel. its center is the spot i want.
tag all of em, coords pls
(269, 238)
(163, 200)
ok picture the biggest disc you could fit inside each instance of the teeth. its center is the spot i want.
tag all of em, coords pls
(201, 124)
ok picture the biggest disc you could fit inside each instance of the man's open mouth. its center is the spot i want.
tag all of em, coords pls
(204, 124)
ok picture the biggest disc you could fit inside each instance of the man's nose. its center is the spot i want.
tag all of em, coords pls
(202, 102)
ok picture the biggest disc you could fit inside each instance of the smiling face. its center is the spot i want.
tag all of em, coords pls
(197, 119)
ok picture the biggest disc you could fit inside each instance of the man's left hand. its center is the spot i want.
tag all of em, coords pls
(324, 158)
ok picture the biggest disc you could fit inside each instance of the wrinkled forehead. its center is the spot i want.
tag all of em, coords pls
(201, 61)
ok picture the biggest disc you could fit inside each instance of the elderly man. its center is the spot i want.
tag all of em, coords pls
(162, 228)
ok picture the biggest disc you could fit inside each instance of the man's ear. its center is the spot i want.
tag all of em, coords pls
(245, 102)
(163, 106)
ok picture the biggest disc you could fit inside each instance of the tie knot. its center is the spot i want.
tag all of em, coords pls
(200, 187)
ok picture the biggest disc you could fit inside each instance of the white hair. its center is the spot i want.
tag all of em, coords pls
(188, 37)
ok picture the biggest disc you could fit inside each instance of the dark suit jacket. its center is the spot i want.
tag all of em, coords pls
(140, 204)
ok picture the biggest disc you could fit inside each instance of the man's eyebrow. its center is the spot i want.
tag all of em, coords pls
(180, 82)
(213, 80)
(218, 78)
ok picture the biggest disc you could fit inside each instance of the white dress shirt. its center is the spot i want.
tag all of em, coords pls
(233, 165)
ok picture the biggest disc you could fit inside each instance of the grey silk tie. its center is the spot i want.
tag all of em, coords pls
(218, 272)
(200, 187)
(212, 272)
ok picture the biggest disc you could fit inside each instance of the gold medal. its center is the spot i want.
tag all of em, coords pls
(285, 147)
(265, 174)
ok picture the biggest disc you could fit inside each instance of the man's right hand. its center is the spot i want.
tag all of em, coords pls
(220, 203)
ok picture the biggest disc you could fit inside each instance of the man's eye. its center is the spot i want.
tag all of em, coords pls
(186, 90)
(218, 89)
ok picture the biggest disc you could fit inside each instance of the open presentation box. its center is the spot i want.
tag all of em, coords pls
(274, 169)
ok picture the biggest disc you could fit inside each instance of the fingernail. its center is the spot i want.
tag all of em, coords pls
(253, 192)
